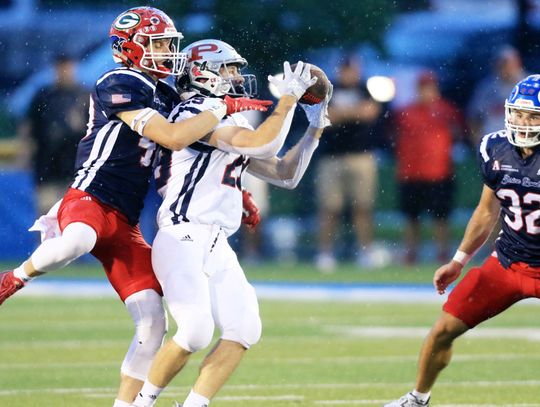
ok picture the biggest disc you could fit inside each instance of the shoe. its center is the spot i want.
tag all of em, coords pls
(9, 285)
(325, 263)
(408, 400)
(374, 257)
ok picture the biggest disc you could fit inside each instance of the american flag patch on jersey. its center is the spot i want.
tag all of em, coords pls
(120, 98)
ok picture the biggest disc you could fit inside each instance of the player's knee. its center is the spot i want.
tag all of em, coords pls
(247, 331)
(151, 331)
(80, 238)
(146, 310)
(447, 329)
(148, 314)
(195, 330)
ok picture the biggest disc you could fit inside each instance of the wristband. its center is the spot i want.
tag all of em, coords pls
(219, 110)
(461, 257)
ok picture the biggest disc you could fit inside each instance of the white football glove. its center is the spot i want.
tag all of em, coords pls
(317, 115)
(294, 83)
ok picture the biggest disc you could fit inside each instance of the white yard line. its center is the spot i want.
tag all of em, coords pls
(364, 402)
(532, 334)
(344, 360)
(180, 391)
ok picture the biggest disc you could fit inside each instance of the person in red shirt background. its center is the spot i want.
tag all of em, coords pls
(425, 133)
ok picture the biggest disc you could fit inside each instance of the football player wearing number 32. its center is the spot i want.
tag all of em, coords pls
(203, 283)
(509, 161)
(100, 211)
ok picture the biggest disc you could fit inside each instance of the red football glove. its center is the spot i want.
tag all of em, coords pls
(250, 213)
(235, 105)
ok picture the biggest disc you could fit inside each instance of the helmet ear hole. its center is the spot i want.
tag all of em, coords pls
(182, 83)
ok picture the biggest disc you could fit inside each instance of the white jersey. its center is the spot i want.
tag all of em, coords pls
(201, 184)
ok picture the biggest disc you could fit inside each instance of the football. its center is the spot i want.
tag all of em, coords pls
(317, 92)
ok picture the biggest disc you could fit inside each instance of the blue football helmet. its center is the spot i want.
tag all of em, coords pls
(525, 97)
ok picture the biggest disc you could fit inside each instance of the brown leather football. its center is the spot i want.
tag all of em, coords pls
(317, 92)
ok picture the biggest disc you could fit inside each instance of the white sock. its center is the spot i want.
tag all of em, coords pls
(195, 400)
(21, 274)
(423, 397)
(148, 395)
(120, 403)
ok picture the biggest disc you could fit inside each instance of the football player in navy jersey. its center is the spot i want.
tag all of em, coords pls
(510, 166)
(99, 213)
(203, 283)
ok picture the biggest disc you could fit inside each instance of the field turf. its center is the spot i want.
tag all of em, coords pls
(57, 352)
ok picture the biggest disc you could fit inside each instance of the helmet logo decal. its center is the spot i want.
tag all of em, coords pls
(127, 20)
(154, 20)
(195, 71)
(196, 51)
(116, 43)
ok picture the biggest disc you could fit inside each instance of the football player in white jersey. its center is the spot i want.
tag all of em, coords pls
(203, 283)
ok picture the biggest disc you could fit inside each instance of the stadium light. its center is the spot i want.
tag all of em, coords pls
(381, 88)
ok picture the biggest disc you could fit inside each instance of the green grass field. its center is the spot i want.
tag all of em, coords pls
(63, 352)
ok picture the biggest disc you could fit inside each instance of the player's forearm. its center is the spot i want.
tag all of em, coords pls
(174, 136)
(478, 230)
(188, 131)
(264, 142)
(288, 171)
(276, 126)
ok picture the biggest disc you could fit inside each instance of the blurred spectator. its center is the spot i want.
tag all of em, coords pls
(486, 107)
(347, 171)
(426, 131)
(54, 124)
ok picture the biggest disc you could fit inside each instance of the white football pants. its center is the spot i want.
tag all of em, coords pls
(204, 285)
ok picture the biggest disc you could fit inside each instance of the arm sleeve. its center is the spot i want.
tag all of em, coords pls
(289, 170)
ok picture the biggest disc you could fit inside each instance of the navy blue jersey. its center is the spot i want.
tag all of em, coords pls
(114, 163)
(516, 182)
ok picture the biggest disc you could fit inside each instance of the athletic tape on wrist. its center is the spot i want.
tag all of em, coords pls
(139, 121)
(461, 257)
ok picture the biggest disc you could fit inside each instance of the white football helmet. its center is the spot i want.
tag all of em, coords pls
(204, 73)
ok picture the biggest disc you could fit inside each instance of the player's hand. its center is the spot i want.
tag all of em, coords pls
(446, 275)
(317, 115)
(235, 105)
(294, 83)
(250, 214)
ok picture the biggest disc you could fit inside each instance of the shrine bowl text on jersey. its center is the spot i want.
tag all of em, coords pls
(114, 163)
(516, 182)
(201, 184)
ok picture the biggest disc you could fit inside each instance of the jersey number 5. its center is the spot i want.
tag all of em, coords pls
(519, 220)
